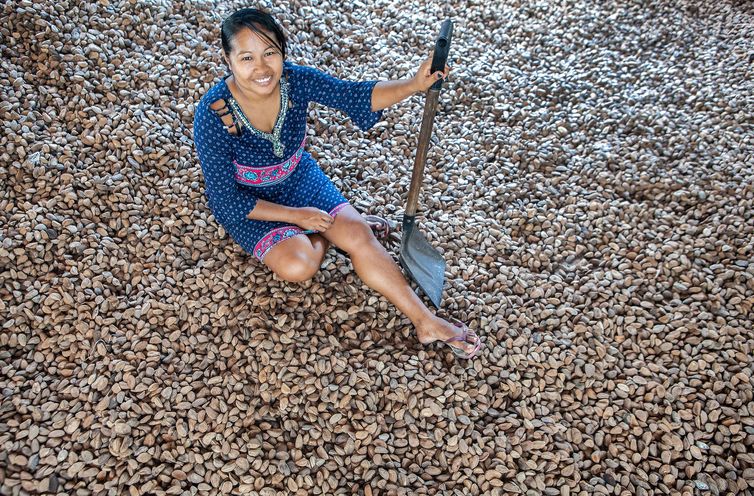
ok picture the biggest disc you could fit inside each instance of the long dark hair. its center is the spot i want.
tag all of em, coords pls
(259, 21)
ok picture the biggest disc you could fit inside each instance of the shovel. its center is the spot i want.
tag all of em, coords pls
(423, 263)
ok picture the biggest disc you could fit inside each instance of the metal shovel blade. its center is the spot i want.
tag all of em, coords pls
(423, 263)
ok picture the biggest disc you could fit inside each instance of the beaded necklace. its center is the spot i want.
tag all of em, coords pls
(277, 146)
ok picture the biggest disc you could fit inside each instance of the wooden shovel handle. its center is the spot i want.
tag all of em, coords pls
(440, 57)
(425, 133)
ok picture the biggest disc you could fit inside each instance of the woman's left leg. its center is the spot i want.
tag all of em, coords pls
(378, 270)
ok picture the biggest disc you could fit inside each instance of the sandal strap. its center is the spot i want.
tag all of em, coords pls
(466, 333)
(462, 354)
(382, 228)
(456, 338)
(376, 219)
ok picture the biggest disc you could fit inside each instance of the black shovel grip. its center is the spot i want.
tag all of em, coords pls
(442, 48)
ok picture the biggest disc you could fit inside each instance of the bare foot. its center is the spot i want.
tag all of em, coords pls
(437, 329)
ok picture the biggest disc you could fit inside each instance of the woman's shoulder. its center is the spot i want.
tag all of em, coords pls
(300, 72)
(306, 81)
(207, 118)
(217, 92)
(291, 69)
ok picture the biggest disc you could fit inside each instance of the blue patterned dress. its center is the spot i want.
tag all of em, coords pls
(241, 169)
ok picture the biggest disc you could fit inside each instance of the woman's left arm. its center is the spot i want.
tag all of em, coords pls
(387, 93)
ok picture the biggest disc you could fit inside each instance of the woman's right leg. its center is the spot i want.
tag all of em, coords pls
(297, 258)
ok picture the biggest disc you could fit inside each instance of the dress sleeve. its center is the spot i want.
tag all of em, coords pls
(228, 202)
(352, 97)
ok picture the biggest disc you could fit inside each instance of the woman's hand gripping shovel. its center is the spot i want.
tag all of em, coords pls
(423, 263)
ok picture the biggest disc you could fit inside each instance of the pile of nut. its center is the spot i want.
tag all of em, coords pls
(590, 184)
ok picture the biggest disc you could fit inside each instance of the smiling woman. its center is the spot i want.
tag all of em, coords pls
(270, 194)
(254, 48)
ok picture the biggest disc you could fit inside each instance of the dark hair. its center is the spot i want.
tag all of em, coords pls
(258, 21)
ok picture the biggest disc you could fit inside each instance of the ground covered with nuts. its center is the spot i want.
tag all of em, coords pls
(590, 187)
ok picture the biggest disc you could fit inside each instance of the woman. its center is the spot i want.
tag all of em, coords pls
(269, 193)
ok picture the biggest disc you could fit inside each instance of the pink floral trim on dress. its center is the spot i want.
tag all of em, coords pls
(337, 209)
(282, 233)
(274, 237)
(265, 176)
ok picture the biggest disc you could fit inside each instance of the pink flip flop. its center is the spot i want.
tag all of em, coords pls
(380, 226)
(466, 336)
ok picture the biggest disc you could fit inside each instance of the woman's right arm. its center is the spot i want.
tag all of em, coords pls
(309, 218)
(229, 203)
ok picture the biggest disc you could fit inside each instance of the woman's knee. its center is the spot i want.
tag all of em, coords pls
(359, 236)
(295, 259)
(296, 268)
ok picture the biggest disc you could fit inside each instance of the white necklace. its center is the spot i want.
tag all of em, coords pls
(278, 147)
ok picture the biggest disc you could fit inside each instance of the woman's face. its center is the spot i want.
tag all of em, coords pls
(256, 63)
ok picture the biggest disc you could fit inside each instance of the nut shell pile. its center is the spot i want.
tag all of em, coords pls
(590, 185)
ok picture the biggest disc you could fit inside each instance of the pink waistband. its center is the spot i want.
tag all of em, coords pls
(265, 176)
